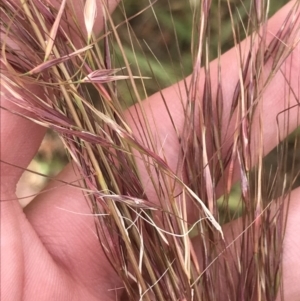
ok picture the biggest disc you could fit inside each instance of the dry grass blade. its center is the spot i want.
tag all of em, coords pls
(53, 32)
(141, 199)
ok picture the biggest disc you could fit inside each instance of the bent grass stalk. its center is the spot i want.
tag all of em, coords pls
(154, 254)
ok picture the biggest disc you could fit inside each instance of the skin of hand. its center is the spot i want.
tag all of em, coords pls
(49, 254)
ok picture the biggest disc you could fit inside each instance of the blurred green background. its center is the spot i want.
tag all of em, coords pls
(158, 41)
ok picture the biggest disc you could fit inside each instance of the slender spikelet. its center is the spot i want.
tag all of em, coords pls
(90, 13)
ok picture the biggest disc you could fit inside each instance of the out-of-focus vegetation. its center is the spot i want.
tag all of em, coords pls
(159, 43)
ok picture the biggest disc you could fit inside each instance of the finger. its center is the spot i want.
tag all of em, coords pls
(275, 100)
(291, 247)
(20, 245)
(21, 138)
(27, 270)
(77, 13)
(52, 251)
(23, 254)
(234, 232)
(61, 217)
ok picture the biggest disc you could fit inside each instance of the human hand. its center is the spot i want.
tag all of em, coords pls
(47, 254)
(44, 254)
